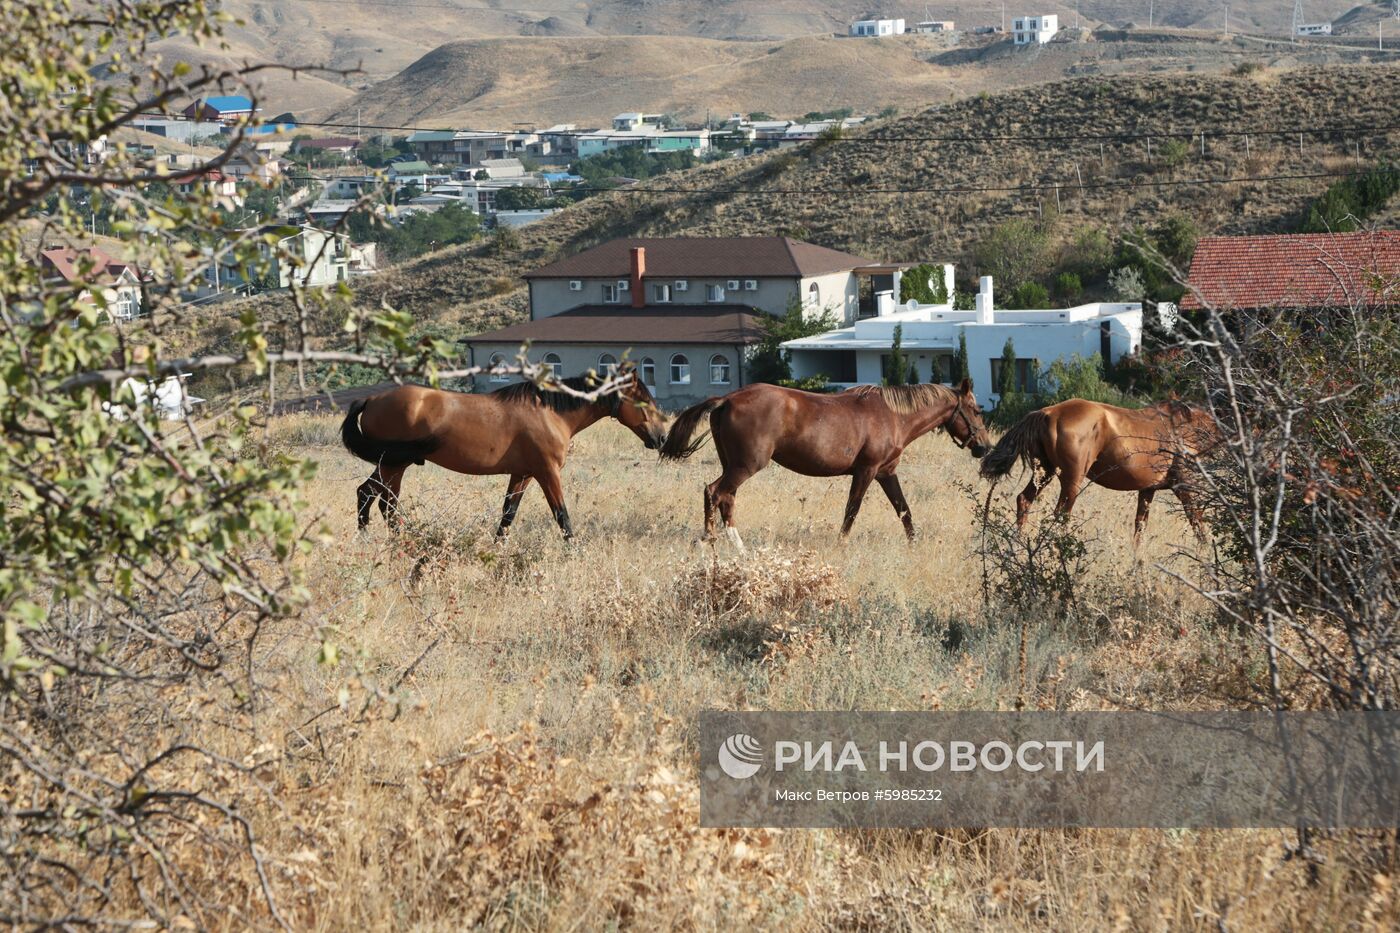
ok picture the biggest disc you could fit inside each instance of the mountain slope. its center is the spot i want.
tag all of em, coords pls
(883, 193)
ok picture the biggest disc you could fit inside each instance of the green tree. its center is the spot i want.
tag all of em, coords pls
(521, 198)
(1176, 238)
(1028, 295)
(923, 283)
(144, 559)
(1006, 381)
(769, 362)
(1068, 287)
(896, 364)
(961, 368)
(1014, 251)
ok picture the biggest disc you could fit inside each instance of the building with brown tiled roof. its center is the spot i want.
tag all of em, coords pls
(683, 308)
(1310, 271)
(118, 281)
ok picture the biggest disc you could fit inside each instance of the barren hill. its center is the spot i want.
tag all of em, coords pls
(486, 83)
(377, 39)
(893, 192)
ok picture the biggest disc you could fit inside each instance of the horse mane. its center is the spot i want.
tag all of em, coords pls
(906, 400)
(527, 393)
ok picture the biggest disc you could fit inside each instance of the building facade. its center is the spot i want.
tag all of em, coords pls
(931, 334)
(685, 309)
(1034, 30)
(877, 28)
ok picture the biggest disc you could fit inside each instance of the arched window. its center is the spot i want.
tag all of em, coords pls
(498, 360)
(719, 370)
(607, 365)
(649, 372)
(555, 364)
(814, 295)
(680, 370)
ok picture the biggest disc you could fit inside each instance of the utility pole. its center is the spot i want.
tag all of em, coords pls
(1149, 13)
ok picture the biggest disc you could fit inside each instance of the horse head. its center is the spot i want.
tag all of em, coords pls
(636, 410)
(965, 424)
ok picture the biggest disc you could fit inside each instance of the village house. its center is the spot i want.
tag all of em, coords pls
(1034, 30)
(344, 145)
(222, 188)
(310, 258)
(930, 334)
(434, 147)
(684, 309)
(231, 109)
(113, 284)
(876, 28)
(168, 397)
(1306, 271)
(934, 25)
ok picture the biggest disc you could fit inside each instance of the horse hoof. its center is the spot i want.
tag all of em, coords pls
(733, 534)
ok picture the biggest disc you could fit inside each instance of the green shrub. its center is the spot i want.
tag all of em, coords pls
(1068, 286)
(1028, 295)
(1173, 152)
(925, 284)
(770, 362)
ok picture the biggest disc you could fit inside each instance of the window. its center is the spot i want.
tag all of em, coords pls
(661, 293)
(648, 372)
(814, 295)
(719, 370)
(609, 293)
(607, 365)
(714, 293)
(1025, 375)
(498, 359)
(556, 365)
(680, 370)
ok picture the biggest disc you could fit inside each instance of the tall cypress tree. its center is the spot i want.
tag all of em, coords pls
(896, 365)
(1006, 386)
(961, 369)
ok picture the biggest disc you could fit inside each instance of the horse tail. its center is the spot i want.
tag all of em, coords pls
(381, 453)
(679, 445)
(1023, 442)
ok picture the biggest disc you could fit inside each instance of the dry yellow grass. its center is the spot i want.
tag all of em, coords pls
(505, 738)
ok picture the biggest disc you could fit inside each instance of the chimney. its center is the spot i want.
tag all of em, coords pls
(984, 301)
(639, 274)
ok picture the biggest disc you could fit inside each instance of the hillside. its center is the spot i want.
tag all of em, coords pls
(485, 83)
(374, 40)
(888, 200)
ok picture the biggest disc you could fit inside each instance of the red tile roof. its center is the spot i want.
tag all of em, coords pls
(699, 257)
(69, 263)
(1310, 270)
(621, 326)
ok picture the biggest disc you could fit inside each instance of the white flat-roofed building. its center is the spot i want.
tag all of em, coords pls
(1034, 30)
(1313, 29)
(929, 336)
(876, 28)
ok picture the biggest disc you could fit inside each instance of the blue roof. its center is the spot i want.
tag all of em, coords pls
(554, 177)
(234, 102)
(271, 128)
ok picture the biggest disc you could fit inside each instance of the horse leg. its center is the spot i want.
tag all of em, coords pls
(1026, 498)
(390, 482)
(1140, 522)
(554, 495)
(365, 495)
(1070, 484)
(890, 484)
(709, 492)
(860, 482)
(725, 488)
(1194, 513)
(514, 492)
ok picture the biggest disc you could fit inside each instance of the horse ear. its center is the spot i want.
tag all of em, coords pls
(625, 367)
(965, 387)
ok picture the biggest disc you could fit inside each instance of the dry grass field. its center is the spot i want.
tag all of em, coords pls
(464, 733)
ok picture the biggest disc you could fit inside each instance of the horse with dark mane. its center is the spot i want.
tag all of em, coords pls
(520, 430)
(861, 432)
(1142, 451)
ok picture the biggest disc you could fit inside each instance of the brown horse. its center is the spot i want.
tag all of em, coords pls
(860, 432)
(1140, 451)
(519, 430)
